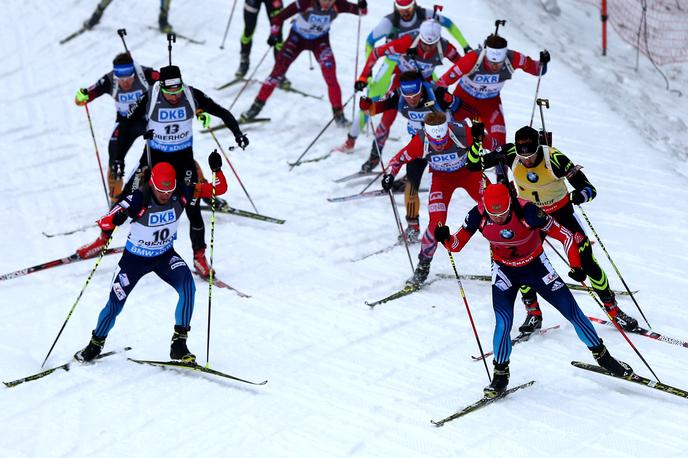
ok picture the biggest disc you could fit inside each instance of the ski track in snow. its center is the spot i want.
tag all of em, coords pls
(344, 380)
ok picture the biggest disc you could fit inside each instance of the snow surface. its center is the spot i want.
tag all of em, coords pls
(343, 380)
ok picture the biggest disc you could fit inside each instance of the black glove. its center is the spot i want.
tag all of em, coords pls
(442, 234)
(117, 169)
(273, 40)
(578, 197)
(467, 49)
(241, 140)
(478, 132)
(412, 52)
(387, 181)
(544, 57)
(360, 85)
(215, 161)
(148, 134)
(578, 274)
(362, 5)
(119, 218)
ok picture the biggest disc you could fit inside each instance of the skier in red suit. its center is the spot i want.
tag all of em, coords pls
(481, 74)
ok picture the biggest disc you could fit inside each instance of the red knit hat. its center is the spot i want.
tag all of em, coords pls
(496, 199)
(163, 177)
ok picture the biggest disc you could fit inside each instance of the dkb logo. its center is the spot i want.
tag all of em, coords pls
(161, 218)
(172, 114)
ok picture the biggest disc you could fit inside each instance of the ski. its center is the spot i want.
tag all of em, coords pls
(178, 35)
(292, 89)
(408, 288)
(231, 83)
(353, 176)
(244, 213)
(363, 195)
(479, 404)
(239, 121)
(635, 378)
(488, 278)
(55, 263)
(73, 35)
(65, 367)
(644, 332)
(380, 251)
(523, 337)
(193, 367)
(69, 232)
(220, 284)
(315, 159)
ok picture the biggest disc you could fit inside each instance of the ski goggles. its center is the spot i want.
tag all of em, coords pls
(495, 55)
(526, 149)
(163, 191)
(123, 70)
(410, 88)
(500, 214)
(170, 91)
(437, 135)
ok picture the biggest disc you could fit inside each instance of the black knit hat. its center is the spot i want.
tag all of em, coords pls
(170, 76)
(495, 42)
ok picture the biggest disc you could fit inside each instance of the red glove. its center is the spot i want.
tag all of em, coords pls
(365, 103)
(112, 219)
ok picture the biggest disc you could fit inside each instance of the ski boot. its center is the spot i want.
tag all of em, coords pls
(608, 362)
(220, 203)
(500, 380)
(372, 162)
(201, 263)
(93, 249)
(533, 320)
(90, 351)
(627, 323)
(339, 118)
(285, 84)
(252, 112)
(420, 274)
(244, 63)
(178, 349)
(412, 231)
(348, 146)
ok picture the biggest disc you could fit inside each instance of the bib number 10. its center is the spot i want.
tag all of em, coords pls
(161, 235)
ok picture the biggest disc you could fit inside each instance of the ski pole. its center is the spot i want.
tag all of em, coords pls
(298, 161)
(470, 316)
(122, 33)
(210, 280)
(95, 145)
(543, 103)
(233, 170)
(397, 218)
(587, 220)
(100, 258)
(372, 181)
(611, 319)
(229, 21)
(249, 80)
(358, 45)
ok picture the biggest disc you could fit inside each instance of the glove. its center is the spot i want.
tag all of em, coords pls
(204, 118)
(117, 169)
(578, 197)
(273, 40)
(478, 132)
(442, 234)
(578, 274)
(111, 220)
(82, 97)
(387, 181)
(467, 49)
(215, 161)
(365, 103)
(241, 140)
(363, 7)
(412, 52)
(361, 84)
(544, 57)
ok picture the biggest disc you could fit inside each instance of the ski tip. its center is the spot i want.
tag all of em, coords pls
(437, 423)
